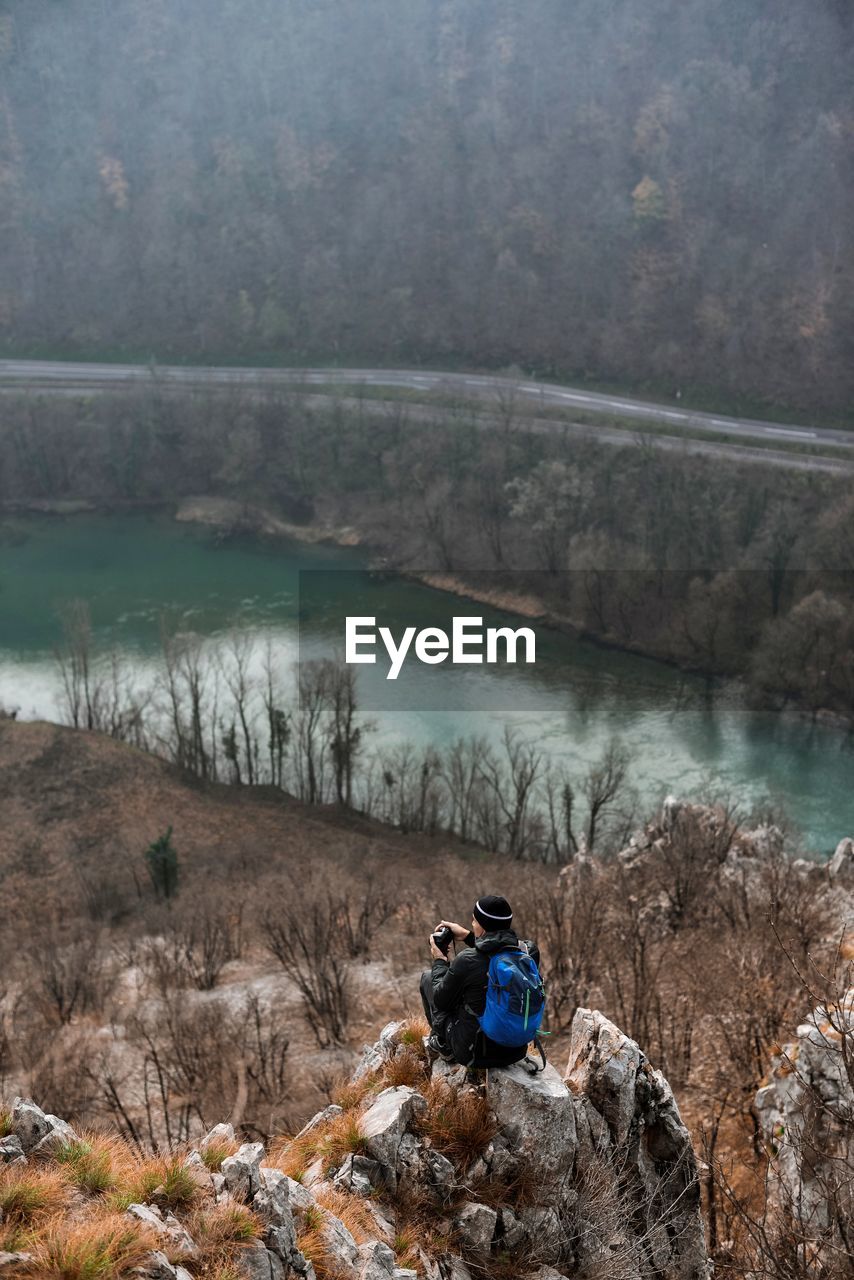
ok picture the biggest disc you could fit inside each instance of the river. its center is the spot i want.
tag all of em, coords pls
(134, 569)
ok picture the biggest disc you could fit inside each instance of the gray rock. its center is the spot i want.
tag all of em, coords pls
(359, 1174)
(456, 1269)
(199, 1172)
(149, 1215)
(14, 1259)
(841, 865)
(11, 1151)
(640, 1143)
(376, 1261)
(513, 1231)
(805, 1112)
(405, 1273)
(542, 1225)
(255, 1262)
(439, 1171)
(321, 1118)
(272, 1200)
(242, 1171)
(299, 1198)
(33, 1127)
(385, 1122)
(156, 1267)
(546, 1273)
(181, 1273)
(536, 1113)
(603, 1066)
(375, 1056)
(476, 1225)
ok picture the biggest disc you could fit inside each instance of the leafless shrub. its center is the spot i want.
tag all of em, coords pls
(305, 939)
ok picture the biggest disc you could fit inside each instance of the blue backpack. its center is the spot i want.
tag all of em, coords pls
(515, 999)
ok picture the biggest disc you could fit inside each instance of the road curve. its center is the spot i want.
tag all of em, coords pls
(63, 377)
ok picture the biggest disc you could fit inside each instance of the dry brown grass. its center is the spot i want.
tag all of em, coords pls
(101, 1247)
(219, 1233)
(96, 1164)
(406, 1067)
(350, 1094)
(5, 1123)
(29, 1195)
(160, 1180)
(330, 1142)
(459, 1122)
(214, 1154)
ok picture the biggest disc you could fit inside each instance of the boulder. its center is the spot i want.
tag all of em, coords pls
(535, 1113)
(33, 1127)
(11, 1261)
(242, 1171)
(323, 1117)
(387, 1120)
(341, 1249)
(476, 1225)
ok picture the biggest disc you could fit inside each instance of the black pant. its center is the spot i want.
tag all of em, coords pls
(436, 1019)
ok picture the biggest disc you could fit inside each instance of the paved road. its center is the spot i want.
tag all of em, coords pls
(64, 378)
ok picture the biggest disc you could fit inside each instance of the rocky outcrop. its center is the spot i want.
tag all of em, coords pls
(806, 1111)
(586, 1173)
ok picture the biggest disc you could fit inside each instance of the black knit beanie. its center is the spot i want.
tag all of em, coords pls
(493, 912)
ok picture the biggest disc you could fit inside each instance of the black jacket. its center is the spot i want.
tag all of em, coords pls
(459, 990)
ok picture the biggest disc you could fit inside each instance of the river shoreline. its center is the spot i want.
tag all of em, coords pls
(230, 516)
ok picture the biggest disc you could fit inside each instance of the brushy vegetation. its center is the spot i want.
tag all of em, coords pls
(98, 1248)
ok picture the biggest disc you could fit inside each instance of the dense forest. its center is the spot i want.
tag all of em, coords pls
(637, 190)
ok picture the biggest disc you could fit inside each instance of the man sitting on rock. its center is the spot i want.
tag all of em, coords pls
(454, 991)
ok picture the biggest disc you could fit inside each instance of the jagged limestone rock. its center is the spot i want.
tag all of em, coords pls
(374, 1056)
(535, 1112)
(476, 1225)
(376, 1261)
(603, 1065)
(805, 1112)
(255, 1262)
(8, 1261)
(167, 1227)
(359, 1174)
(156, 1267)
(199, 1172)
(841, 865)
(242, 1171)
(649, 1193)
(386, 1121)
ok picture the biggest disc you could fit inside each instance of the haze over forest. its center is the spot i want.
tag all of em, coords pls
(644, 191)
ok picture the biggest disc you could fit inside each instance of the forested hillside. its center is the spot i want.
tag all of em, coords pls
(650, 191)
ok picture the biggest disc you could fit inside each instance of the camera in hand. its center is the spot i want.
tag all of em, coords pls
(442, 939)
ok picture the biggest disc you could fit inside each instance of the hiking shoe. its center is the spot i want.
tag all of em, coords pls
(435, 1045)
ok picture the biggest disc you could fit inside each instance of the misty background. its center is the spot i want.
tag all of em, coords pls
(656, 192)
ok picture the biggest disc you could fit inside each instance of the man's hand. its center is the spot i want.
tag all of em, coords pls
(436, 953)
(459, 931)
